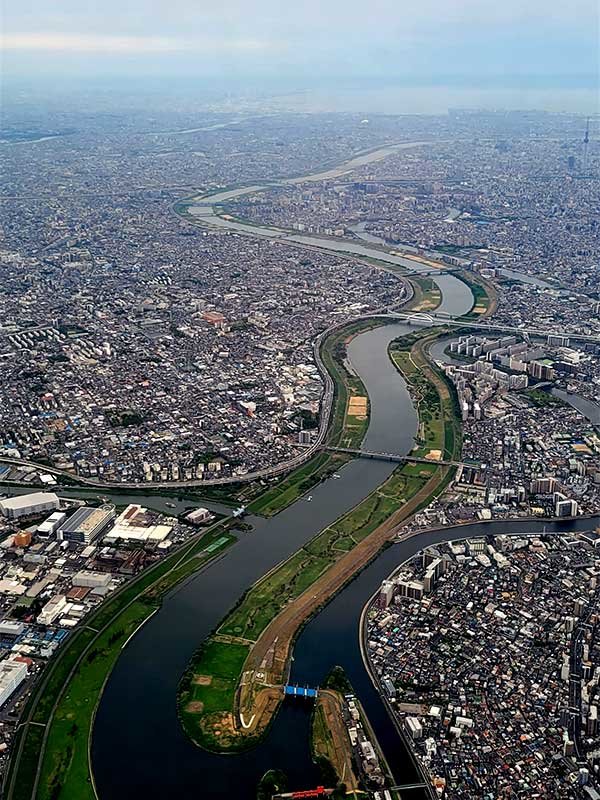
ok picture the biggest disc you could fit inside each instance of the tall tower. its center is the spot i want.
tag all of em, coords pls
(586, 147)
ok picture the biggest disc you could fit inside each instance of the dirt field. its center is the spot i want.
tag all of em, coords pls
(357, 406)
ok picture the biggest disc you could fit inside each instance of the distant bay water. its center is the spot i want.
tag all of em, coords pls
(439, 99)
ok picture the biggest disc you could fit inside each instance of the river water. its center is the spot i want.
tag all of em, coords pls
(163, 503)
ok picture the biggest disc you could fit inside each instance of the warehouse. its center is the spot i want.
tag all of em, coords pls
(134, 524)
(86, 524)
(92, 580)
(28, 504)
(9, 627)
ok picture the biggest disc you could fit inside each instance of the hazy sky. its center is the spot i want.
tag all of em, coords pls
(339, 38)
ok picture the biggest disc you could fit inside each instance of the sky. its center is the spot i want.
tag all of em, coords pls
(408, 40)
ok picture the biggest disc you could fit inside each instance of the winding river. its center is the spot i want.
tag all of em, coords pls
(138, 748)
(139, 751)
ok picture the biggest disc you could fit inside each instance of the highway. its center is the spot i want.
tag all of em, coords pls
(441, 319)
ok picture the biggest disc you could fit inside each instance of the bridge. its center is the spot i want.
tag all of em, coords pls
(300, 691)
(360, 453)
(407, 786)
(443, 318)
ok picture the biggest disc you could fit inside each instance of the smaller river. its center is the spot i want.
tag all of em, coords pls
(165, 504)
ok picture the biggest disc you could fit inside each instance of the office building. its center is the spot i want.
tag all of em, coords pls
(566, 508)
(56, 606)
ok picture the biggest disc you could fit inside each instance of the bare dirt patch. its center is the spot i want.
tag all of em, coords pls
(202, 680)
(195, 707)
(357, 406)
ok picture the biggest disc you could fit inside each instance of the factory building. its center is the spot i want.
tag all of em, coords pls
(199, 516)
(91, 580)
(56, 606)
(134, 524)
(86, 525)
(51, 525)
(12, 674)
(27, 504)
(9, 627)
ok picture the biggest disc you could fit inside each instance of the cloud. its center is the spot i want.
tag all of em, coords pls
(324, 38)
(100, 43)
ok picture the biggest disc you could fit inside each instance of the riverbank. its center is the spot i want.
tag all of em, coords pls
(337, 710)
(51, 748)
(485, 294)
(427, 295)
(347, 425)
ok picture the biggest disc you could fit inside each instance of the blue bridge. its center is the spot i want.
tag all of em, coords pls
(300, 691)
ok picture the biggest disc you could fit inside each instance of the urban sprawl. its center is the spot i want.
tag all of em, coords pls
(142, 346)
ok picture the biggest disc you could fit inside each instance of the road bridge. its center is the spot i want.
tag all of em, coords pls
(406, 786)
(374, 454)
(300, 691)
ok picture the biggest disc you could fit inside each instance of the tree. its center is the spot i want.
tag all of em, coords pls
(272, 782)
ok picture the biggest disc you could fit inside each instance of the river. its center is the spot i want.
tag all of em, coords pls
(203, 210)
(206, 215)
(359, 160)
(139, 750)
(166, 504)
